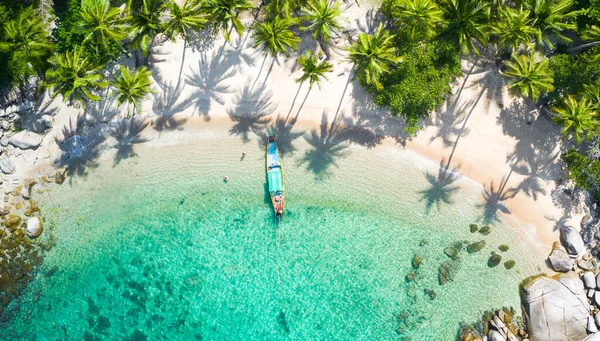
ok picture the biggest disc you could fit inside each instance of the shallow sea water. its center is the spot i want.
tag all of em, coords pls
(158, 247)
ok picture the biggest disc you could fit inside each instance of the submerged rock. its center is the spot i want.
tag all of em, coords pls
(447, 271)
(476, 247)
(473, 228)
(416, 261)
(558, 309)
(494, 260)
(453, 250)
(571, 240)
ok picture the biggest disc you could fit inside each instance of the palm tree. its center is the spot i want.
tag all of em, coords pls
(144, 23)
(551, 18)
(513, 28)
(26, 37)
(529, 78)
(577, 118)
(372, 54)
(75, 77)
(417, 19)
(224, 12)
(103, 23)
(323, 16)
(132, 87)
(183, 19)
(592, 93)
(313, 70)
(275, 36)
(466, 22)
(591, 33)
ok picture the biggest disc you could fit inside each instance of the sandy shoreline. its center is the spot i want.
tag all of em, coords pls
(481, 132)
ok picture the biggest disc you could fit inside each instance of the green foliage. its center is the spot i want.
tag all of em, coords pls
(275, 36)
(420, 83)
(572, 73)
(103, 24)
(144, 23)
(224, 12)
(528, 77)
(68, 34)
(372, 56)
(75, 77)
(312, 69)
(466, 23)
(416, 20)
(577, 118)
(503, 247)
(583, 170)
(132, 87)
(323, 16)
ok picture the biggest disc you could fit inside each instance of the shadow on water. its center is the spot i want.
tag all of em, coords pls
(79, 146)
(167, 104)
(327, 145)
(441, 187)
(127, 135)
(250, 112)
(208, 82)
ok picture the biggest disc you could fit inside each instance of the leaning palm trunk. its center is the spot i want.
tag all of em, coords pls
(583, 47)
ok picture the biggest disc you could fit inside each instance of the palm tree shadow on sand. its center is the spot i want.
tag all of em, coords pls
(327, 145)
(283, 130)
(250, 113)
(79, 146)
(493, 200)
(441, 187)
(208, 82)
(127, 135)
(167, 104)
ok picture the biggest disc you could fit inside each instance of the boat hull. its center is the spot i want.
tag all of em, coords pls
(274, 175)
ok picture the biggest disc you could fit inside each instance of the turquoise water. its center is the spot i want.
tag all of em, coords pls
(158, 247)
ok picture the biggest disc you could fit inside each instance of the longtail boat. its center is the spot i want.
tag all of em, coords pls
(274, 175)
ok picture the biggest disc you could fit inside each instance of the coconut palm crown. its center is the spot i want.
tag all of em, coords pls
(132, 87)
(144, 23)
(551, 18)
(323, 16)
(527, 77)
(313, 70)
(103, 23)
(372, 55)
(224, 13)
(275, 36)
(183, 19)
(417, 19)
(75, 77)
(466, 23)
(577, 118)
(514, 27)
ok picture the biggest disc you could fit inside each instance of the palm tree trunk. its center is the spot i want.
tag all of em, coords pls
(301, 106)
(294, 101)
(182, 62)
(583, 47)
(269, 72)
(259, 72)
(325, 49)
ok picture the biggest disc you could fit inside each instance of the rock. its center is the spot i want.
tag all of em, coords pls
(585, 264)
(597, 298)
(4, 141)
(597, 318)
(468, 333)
(590, 293)
(571, 241)
(6, 165)
(495, 336)
(447, 271)
(4, 280)
(494, 259)
(485, 230)
(416, 261)
(26, 193)
(558, 309)
(591, 325)
(26, 140)
(453, 250)
(42, 124)
(4, 209)
(475, 247)
(60, 175)
(429, 292)
(34, 227)
(5, 125)
(586, 220)
(473, 228)
(589, 281)
(593, 337)
(598, 281)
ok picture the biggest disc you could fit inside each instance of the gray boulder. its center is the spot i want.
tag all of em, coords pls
(6, 165)
(558, 309)
(25, 140)
(34, 227)
(597, 318)
(593, 337)
(598, 280)
(591, 325)
(571, 240)
(559, 259)
(495, 336)
(589, 281)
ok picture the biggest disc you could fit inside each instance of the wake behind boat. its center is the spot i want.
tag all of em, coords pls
(274, 175)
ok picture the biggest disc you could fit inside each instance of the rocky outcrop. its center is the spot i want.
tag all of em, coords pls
(25, 140)
(593, 337)
(559, 259)
(589, 281)
(571, 240)
(557, 309)
(34, 227)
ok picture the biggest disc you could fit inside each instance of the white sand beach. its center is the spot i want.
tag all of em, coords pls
(480, 132)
